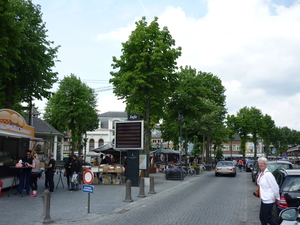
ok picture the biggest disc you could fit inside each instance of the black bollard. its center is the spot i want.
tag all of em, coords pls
(46, 207)
(128, 192)
(142, 188)
(151, 190)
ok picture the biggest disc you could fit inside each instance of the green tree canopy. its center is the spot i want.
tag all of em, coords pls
(144, 75)
(73, 108)
(199, 97)
(27, 57)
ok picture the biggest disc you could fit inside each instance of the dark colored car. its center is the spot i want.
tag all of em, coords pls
(289, 190)
(272, 166)
(249, 165)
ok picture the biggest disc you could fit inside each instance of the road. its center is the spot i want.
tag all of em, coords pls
(205, 201)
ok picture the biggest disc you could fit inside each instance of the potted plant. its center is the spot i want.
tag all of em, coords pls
(174, 174)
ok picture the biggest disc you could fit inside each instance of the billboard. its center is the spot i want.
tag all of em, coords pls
(129, 135)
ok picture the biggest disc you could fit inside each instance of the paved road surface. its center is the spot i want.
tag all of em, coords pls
(204, 199)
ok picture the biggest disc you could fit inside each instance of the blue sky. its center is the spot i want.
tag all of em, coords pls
(251, 45)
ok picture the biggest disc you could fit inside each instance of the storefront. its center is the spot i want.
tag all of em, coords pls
(15, 138)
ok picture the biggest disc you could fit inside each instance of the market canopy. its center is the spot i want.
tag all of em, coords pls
(294, 149)
(164, 151)
(109, 149)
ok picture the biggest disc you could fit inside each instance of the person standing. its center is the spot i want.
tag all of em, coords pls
(35, 174)
(269, 192)
(50, 171)
(240, 164)
(46, 172)
(68, 172)
(25, 174)
(75, 173)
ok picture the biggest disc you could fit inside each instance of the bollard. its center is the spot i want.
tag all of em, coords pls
(128, 192)
(46, 207)
(142, 188)
(151, 190)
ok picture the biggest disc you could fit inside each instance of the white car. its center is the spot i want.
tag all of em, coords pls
(225, 168)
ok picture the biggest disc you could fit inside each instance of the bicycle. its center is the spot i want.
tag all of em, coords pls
(191, 171)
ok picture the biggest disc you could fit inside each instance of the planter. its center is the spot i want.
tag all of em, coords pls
(173, 176)
(208, 167)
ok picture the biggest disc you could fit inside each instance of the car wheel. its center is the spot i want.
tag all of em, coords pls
(216, 174)
(253, 179)
(234, 175)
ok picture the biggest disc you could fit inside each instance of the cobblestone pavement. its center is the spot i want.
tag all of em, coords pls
(107, 205)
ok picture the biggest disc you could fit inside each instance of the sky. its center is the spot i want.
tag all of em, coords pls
(251, 45)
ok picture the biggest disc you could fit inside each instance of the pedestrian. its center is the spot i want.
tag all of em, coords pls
(35, 174)
(75, 174)
(46, 162)
(50, 171)
(25, 174)
(240, 164)
(96, 162)
(68, 172)
(80, 174)
(269, 192)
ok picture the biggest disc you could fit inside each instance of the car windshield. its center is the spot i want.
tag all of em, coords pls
(291, 184)
(225, 164)
(273, 167)
(250, 161)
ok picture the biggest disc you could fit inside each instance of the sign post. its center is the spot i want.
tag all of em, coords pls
(88, 178)
(130, 136)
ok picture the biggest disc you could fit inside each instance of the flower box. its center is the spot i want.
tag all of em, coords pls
(174, 174)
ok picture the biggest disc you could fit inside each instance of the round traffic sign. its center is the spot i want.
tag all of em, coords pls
(88, 177)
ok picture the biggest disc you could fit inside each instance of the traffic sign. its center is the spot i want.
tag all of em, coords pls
(88, 188)
(88, 177)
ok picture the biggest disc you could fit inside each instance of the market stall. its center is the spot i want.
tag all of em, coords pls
(15, 138)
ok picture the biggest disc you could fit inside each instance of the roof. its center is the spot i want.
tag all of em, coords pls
(41, 127)
(114, 114)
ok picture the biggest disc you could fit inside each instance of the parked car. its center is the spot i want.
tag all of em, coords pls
(225, 168)
(289, 190)
(249, 165)
(272, 166)
(290, 216)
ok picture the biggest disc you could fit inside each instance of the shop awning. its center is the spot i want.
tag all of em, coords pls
(6, 133)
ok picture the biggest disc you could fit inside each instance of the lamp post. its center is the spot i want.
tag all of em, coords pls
(181, 120)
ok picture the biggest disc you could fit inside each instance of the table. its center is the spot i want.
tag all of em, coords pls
(60, 168)
(15, 181)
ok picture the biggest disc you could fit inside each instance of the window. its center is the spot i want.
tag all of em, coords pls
(225, 148)
(100, 143)
(91, 144)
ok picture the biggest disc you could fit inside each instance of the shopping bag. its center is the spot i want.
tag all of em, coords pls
(256, 192)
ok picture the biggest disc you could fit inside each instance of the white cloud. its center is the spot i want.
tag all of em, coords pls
(252, 46)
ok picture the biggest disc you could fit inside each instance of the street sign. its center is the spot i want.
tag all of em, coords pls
(88, 177)
(88, 188)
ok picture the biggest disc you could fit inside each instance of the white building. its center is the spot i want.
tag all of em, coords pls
(106, 131)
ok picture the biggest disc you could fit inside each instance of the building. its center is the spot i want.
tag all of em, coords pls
(105, 133)
(49, 134)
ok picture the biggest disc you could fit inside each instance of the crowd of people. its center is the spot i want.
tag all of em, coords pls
(30, 173)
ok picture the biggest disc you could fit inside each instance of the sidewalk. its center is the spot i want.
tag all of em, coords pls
(73, 205)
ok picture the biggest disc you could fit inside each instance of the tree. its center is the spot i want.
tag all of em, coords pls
(230, 125)
(267, 131)
(199, 97)
(73, 108)
(144, 76)
(27, 57)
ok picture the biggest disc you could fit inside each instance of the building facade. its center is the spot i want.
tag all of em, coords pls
(105, 133)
